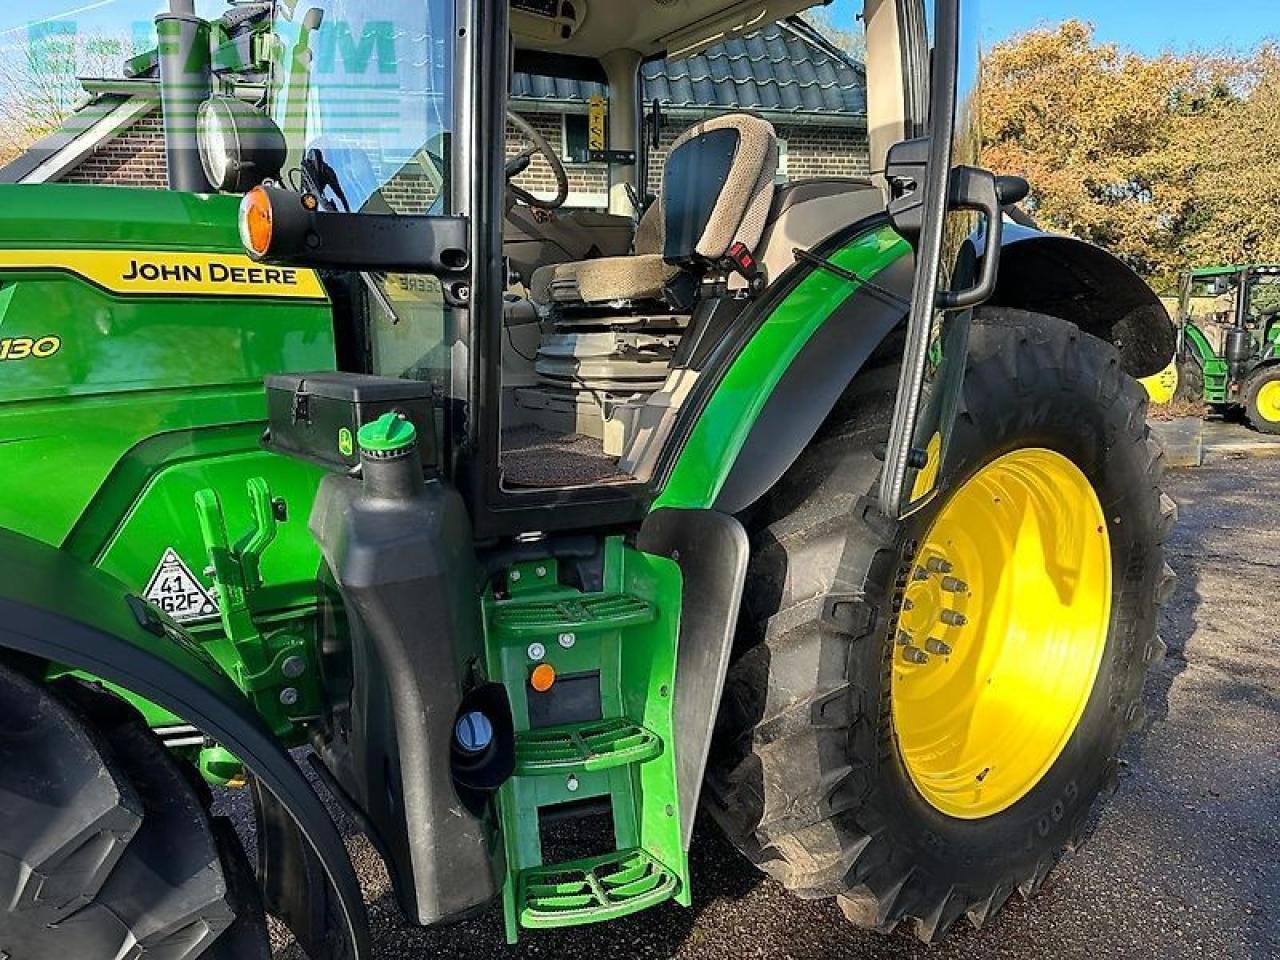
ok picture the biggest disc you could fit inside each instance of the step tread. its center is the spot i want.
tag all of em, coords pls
(518, 618)
(584, 747)
(593, 890)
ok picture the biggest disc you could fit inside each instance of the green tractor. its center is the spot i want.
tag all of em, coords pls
(1229, 341)
(826, 505)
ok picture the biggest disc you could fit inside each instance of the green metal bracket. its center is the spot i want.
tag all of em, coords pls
(236, 570)
(273, 667)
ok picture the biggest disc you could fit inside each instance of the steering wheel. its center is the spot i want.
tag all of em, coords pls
(520, 162)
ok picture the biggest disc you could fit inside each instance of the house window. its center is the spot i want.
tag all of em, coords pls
(783, 171)
(576, 138)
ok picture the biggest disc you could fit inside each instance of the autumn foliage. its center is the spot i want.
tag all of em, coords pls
(1170, 161)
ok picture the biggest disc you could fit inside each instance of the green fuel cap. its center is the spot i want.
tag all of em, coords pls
(391, 435)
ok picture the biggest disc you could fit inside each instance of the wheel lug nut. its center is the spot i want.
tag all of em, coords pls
(954, 585)
(914, 655)
(904, 638)
(934, 645)
(938, 565)
(954, 618)
(921, 573)
(907, 604)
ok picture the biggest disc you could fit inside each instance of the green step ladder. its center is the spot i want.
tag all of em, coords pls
(614, 655)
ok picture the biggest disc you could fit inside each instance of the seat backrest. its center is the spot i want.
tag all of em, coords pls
(717, 188)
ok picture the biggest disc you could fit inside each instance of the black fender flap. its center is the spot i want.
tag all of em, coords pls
(59, 609)
(712, 551)
(1076, 281)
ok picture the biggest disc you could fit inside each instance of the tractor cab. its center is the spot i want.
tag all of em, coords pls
(1221, 297)
(635, 200)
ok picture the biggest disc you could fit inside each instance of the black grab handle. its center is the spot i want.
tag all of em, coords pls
(975, 189)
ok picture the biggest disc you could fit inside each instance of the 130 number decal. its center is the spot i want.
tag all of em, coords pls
(23, 348)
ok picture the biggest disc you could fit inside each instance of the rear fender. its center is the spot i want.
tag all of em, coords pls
(813, 383)
(63, 611)
(1083, 284)
(1055, 275)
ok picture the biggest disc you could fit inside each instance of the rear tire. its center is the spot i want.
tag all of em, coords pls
(809, 776)
(1262, 399)
(106, 845)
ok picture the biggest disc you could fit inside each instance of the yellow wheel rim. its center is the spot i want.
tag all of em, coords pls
(1002, 632)
(1269, 401)
(1163, 386)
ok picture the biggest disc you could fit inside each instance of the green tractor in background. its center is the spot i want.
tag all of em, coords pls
(1228, 321)
(828, 506)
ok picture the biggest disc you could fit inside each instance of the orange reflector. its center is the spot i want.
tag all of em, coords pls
(255, 222)
(543, 676)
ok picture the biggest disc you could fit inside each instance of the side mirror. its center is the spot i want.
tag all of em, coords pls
(240, 147)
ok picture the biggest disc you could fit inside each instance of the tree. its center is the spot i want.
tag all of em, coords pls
(39, 87)
(850, 38)
(1166, 161)
(1235, 179)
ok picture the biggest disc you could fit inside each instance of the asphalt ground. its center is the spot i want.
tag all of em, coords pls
(1185, 861)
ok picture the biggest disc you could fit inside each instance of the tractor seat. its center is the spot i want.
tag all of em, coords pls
(716, 191)
(640, 275)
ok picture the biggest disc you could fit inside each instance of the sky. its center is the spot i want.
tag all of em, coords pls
(1149, 26)
(122, 18)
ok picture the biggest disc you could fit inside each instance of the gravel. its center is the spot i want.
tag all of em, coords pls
(1185, 861)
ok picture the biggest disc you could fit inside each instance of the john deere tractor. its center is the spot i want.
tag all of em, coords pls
(1229, 341)
(827, 505)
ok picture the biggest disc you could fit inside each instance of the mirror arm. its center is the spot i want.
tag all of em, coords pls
(303, 236)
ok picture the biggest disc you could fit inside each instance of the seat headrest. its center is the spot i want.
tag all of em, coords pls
(717, 187)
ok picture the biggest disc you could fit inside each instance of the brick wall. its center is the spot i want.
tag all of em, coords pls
(585, 180)
(135, 158)
(825, 152)
(812, 151)
(409, 192)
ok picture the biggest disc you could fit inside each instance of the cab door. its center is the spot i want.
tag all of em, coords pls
(950, 209)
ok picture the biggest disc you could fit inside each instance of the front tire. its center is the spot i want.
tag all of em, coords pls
(1262, 399)
(107, 849)
(818, 774)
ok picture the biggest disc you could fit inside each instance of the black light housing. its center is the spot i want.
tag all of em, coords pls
(240, 147)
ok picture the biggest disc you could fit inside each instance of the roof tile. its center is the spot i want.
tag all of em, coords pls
(786, 66)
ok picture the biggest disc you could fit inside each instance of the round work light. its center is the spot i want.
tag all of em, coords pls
(240, 147)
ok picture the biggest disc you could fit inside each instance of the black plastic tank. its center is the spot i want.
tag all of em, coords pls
(398, 547)
(1238, 345)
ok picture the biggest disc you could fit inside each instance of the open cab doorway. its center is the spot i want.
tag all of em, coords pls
(672, 187)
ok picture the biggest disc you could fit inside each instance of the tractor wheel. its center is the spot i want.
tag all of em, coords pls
(106, 845)
(1190, 387)
(1262, 399)
(926, 712)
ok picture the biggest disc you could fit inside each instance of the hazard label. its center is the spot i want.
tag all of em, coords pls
(175, 590)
